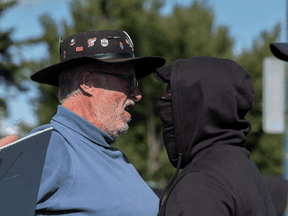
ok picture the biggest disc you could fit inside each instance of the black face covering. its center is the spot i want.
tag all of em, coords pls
(164, 107)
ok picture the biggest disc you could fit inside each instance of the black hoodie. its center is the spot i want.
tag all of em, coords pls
(210, 98)
(278, 188)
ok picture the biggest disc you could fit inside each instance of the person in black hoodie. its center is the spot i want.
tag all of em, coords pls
(278, 189)
(277, 186)
(204, 129)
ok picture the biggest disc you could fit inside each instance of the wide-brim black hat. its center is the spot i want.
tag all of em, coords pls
(110, 46)
(280, 50)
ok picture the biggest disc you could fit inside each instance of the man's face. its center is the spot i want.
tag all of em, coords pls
(110, 99)
(167, 93)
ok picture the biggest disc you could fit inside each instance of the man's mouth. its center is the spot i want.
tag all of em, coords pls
(128, 107)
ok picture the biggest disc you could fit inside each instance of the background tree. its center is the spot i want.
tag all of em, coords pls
(12, 76)
(266, 149)
(187, 32)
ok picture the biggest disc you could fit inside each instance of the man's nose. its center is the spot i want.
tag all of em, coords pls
(136, 95)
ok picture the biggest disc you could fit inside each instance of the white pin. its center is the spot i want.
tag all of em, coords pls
(104, 42)
(72, 42)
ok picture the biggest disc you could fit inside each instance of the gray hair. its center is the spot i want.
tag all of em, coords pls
(69, 79)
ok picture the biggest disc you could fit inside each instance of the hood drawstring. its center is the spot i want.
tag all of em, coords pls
(171, 180)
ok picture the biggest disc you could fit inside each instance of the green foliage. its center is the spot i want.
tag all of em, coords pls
(11, 75)
(8, 70)
(267, 154)
(187, 32)
(266, 149)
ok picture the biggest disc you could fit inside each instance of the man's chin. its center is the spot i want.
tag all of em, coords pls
(119, 132)
(124, 129)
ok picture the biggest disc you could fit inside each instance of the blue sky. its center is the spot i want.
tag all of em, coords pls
(245, 19)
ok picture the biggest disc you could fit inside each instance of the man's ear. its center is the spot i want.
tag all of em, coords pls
(85, 83)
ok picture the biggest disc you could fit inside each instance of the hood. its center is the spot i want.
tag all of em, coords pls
(210, 98)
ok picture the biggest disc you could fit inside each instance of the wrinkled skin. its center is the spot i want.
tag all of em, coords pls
(102, 102)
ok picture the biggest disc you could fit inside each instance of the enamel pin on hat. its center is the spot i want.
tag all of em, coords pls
(79, 49)
(121, 45)
(91, 41)
(72, 42)
(104, 42)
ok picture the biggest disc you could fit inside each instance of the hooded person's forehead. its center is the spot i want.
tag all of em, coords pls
(163, 74)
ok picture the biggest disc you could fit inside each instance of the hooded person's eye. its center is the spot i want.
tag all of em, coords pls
(167, 93)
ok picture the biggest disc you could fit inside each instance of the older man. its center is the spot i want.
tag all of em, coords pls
(83, 174)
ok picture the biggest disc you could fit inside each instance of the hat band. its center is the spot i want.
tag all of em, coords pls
(104, 56)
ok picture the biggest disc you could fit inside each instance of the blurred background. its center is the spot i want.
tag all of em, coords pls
(240, 30)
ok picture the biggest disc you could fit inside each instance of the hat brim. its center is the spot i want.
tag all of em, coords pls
(163, 74)
(143, 67)
(280, 50)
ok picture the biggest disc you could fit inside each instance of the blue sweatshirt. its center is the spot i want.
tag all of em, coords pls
(84, 175)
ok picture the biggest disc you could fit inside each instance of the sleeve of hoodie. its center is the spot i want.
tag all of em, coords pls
(197, 194)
